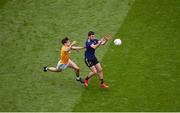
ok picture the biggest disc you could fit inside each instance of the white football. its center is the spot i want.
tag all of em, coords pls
(117, 42)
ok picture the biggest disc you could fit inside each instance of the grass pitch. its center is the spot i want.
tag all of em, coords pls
(143, 73)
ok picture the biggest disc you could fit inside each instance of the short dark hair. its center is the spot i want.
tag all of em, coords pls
(64, 40)
(90, 33)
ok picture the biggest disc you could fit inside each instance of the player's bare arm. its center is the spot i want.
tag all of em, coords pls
(70, 47)
(96, 45)
(102, 41)
(105, 39)
(77, 48)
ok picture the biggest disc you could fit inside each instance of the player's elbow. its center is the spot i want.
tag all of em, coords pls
(94, 46)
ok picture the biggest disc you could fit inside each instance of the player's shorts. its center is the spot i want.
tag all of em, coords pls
(61, 66)
(91, 62)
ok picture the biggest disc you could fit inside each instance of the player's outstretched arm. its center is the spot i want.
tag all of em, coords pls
(102, 41)
(77, 48)
(105, 39)
(70, 47)
(97, 45)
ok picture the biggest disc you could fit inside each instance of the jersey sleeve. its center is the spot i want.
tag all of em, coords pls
(88, 44)
(96, 41)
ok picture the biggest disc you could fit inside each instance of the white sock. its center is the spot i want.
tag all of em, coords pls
(78, 78)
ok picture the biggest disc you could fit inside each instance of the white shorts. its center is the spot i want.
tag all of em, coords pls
(61, 66)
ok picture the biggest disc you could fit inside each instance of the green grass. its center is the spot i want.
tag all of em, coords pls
(143, 73)
(30, 35)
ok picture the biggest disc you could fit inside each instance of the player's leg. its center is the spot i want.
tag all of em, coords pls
(54, 69)
(100, 74)
(91, 74)
(74, 66)
(99, 71)
(90, 64)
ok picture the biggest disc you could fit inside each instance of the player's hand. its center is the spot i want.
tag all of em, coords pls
(100, 41)
(73, 43)
(107, 37)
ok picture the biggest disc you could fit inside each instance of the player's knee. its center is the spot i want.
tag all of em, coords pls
(77, 69)
(58, 70)
(94, 72)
